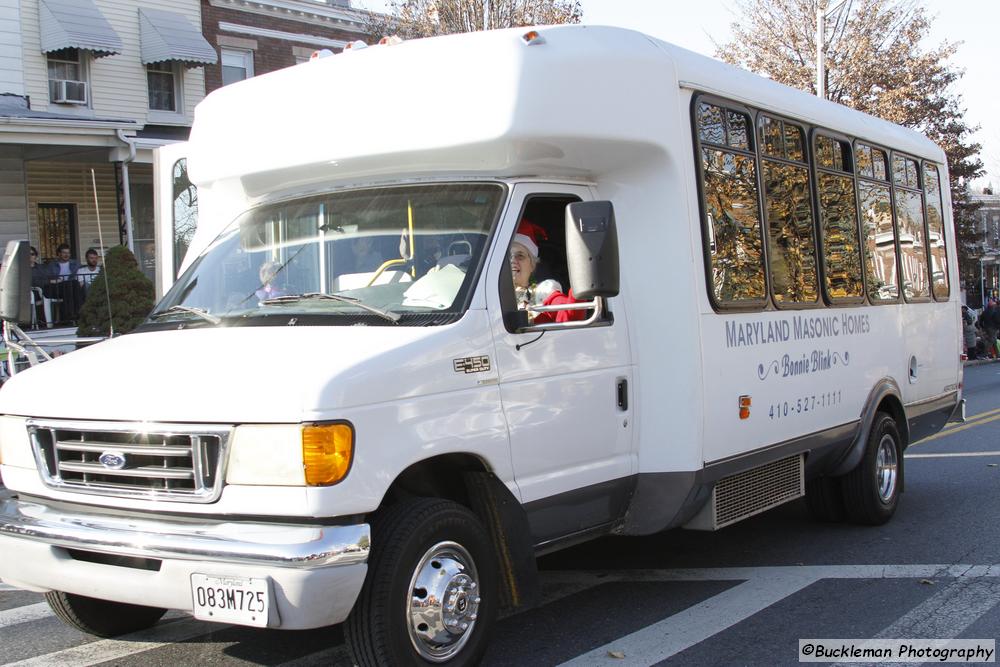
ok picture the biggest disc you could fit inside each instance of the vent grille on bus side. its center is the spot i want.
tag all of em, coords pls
(751, 492)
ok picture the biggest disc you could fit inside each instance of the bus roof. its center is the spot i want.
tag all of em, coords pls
(578, 102)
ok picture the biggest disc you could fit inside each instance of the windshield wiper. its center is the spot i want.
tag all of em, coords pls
(200, 312)
(291, 298)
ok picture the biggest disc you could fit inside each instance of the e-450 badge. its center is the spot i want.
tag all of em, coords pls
(472, 365)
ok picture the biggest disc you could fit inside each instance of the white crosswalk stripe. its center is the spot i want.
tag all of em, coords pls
(974, 591)
(695, 624)
(114, 649)
(946, 614)
(24, 614)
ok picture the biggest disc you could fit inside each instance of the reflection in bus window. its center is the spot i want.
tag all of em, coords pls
(710, 127)
(912, 244)
(879, 241)
(838, 218)
(185, 213)
(790, 239)
(734, 221)
(935, 233)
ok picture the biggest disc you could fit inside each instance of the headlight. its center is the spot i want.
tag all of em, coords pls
(290, 454)
(327, 451)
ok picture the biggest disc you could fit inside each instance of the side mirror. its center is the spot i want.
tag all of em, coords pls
(15, 283)
(592, 249)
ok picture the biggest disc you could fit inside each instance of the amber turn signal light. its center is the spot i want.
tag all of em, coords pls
(327, 450)
(745, 407)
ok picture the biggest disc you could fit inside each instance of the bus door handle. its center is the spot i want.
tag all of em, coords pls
(622, 394)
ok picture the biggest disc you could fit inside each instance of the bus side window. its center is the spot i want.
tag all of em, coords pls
(838, 216)
(910, 222)
(935, 233)
(733, 230)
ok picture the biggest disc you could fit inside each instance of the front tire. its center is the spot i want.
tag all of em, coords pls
(430, 596)
(871, 490)
(102, 618)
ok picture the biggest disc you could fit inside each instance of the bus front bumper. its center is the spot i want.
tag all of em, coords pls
(314, 572)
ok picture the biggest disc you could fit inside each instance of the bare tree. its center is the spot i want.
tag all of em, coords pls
(425, 18)
(875, 63)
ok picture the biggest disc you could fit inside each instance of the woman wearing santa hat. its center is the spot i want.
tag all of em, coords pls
(523, 260)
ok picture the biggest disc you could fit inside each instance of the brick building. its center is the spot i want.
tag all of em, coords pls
(259, 36)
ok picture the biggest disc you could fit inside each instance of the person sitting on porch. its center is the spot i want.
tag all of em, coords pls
(87, 273)
(39, 273)
(63, 266)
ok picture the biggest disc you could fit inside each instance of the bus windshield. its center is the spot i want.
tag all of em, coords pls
(404, 255)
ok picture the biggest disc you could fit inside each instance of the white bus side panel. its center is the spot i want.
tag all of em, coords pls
(807, 371)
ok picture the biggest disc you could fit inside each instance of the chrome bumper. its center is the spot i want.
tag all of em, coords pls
(245, 543)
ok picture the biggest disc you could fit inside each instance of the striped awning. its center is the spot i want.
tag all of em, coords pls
(76, 24)
(167, 36)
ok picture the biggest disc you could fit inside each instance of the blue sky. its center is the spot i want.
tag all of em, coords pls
(693, 24)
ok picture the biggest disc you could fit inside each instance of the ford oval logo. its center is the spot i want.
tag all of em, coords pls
(112, 460)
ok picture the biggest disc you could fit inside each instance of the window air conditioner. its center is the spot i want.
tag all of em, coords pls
(68, 92)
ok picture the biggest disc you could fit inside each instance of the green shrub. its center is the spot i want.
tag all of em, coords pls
(132, 296)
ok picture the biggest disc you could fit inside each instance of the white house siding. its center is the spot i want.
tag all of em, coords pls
(11, 79)
(117, 83)
(13, 220)
(69, 183)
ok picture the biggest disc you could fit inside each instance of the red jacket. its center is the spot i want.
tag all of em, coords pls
(558, 299)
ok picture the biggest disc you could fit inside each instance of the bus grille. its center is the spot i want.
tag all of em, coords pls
(152, 461)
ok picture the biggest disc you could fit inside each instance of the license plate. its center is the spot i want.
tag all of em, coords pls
(239, 600)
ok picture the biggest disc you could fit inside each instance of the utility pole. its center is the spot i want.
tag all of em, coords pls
(821, 15)
(820, 19)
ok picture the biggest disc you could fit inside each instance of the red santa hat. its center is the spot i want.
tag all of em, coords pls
(528, 235)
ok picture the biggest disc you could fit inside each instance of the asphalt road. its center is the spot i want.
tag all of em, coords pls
(744, 595)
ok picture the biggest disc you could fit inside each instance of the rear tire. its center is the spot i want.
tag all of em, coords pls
(432, 571)
(102, 618)
(871, 490)
(825, 500)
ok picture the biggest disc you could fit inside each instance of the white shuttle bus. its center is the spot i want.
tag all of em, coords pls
(730, 295)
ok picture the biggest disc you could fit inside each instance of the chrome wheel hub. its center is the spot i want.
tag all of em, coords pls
(443, 601)
(886, 468)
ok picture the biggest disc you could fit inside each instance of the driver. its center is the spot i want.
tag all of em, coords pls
(523, 261)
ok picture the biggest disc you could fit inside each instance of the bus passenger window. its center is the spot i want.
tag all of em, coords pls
(879, 242)
(734, 221)
(838, 221)
(879, 235)
(733, 231)
(787, 196)
(935, 233)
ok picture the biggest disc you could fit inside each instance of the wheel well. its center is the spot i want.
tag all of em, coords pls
(890, 405)
(436, 477)
(468, 480)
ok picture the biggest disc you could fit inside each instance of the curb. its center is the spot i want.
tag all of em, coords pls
(978, 362)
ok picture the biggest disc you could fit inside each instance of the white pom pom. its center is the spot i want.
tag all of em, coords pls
(545, 289)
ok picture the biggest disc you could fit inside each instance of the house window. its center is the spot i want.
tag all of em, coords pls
(67, 77)
(162, 81)
(237, 64)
